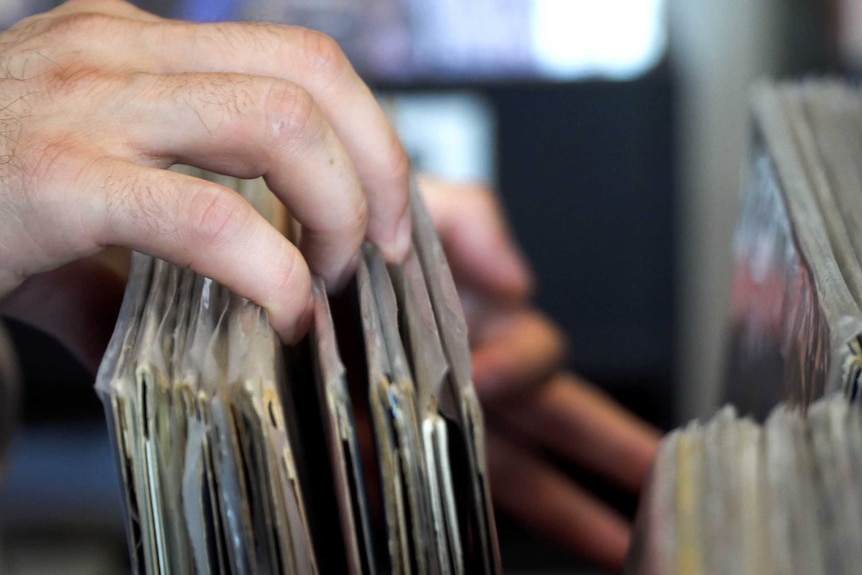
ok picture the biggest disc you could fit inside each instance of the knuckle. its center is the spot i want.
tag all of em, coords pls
(290, 115)
(73, 68)
(75, 79)
(82, 25)
(214, 216)
(323, 56)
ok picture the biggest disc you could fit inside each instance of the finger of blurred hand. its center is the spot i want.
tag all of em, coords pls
(297, 55)
(577, 421)
(476, 238)
(514, 351)
(544, 499)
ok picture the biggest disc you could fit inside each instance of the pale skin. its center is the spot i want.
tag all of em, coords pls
(98, 98)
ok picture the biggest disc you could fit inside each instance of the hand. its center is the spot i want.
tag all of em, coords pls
(532, 405)
(97, 98)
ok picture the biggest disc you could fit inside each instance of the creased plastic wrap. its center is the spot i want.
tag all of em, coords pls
(240, 456)
(193, 388)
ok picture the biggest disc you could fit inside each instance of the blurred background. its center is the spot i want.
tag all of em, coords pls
(614, 131)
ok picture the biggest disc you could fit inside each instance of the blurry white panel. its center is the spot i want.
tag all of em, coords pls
(450, 135)
(614, 38)
(402, 40)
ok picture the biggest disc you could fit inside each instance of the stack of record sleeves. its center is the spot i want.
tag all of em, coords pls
(783, 495)
(360, 450)
(734, 496)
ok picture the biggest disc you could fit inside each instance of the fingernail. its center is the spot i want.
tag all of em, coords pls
(306, 319)
(294, 332)
(336, 283)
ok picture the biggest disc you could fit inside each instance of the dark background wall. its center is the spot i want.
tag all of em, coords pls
(586, 174)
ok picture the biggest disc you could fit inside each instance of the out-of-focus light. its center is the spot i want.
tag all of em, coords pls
(206, 10)
(613, 38)
(471, 40)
